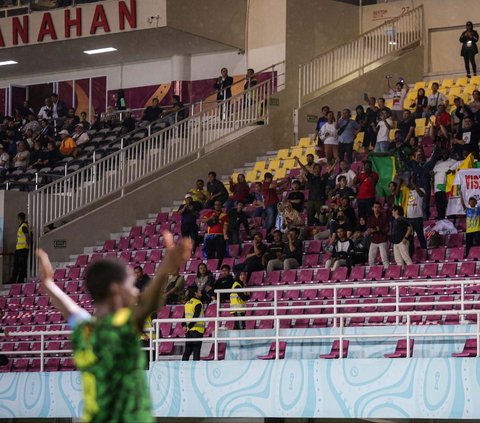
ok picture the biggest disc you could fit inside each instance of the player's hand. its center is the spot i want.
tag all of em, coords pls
(45, 267)
(177, 254)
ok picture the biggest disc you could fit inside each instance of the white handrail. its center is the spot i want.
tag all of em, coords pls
(353, 57)
(113, 173)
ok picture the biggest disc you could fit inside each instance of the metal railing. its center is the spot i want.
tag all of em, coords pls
(461, 307)
(116, 172)
(354, 57)
(22, 7)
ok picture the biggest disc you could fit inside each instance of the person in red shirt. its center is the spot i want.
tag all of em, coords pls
(443, 124)
(215, 244)
(366, 180)
(240, 191)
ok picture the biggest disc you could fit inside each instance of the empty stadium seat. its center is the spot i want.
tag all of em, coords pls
(335, 351)
(272, 351)
(401, 349)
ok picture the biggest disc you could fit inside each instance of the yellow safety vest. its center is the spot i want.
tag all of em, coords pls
(235, 300)
(190, 311)
(22, 238)
(145, 336)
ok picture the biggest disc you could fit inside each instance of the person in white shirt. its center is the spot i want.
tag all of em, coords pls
(20, 161)
(435, 99)
(342, 251)
(414, 212)
(398, 96)
(80, 136)
(46, 111)
(383, 132)
(444, 165)
(328, 135)
(4, 159)
(347, 172)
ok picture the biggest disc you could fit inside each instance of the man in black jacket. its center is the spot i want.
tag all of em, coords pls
(223, 85)
(237, 217)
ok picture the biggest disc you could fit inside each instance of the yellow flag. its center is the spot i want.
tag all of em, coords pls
(466, 164)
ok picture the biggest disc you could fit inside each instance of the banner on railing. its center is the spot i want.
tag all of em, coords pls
(465, 185)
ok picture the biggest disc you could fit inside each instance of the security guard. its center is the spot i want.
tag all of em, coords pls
(239, 300)
(193, 310)
(20, 261)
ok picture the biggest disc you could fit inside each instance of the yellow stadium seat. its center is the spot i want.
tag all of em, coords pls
(273, 164)
(418, 85)
(450, 98)
(419, 131)
(296, 151)
(465, 97)
(283, 154)
(389, 103)
(447, 83)
(461, 82)
(309, 150)
(411, 95)
(280, 173)
(260, 166)
(251, 176)
(475, 80)
(290, 164)
(392, 134)
(455, 91)
(443, 90)
(469, 89)
(305, 142)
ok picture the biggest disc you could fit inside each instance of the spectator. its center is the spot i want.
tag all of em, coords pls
(460, 112)
(216, 190)
(348, 211)
(366, 181)
(32, 124)
(71, 119)
(46, 111)
(204, 281)
(98, 123)
(420, 104)
(292, 254)
(240, 191)
(225, 281)
(383, 132)
(46, 134)
(361, 247)
(421, 170)
(321, 121)
(472, 212)
(361, 118)
(347, 172)
(199, 195)
(84, 121)
(343, 250)
(442, 126)
(317, 185)
(406, 126)
(469, 39)
(4, 160)
(141, 279)
(254, 260)
(110, 118)
(59, 108)
(153, 112)
(382, 108)
(341, 190)
(258, 200)
(398, 96)
(21, 159)
(394, 198)
(467, 138)
(250, 79)
(329, 137)
(377, 229)
(292, 218)
(20, 259)
(189, 215)
(52, 155)
(370, 123)
(238, 300)
(296, 197)
(193, 330)
(347, 130)
(223, 85)
(435, 99)
(444, 165)
(475, 104)
(308, 168)
(178, 111)
(36, 156)
(399, 237)
(216, 239)
(175, 287)
(129, 123)
(120, 103)
(80, 136)
(237, 217)
(270, 198)
(68, 147)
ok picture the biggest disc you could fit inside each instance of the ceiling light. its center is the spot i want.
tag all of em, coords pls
(8, 62)
(392, 43)
(100, 50)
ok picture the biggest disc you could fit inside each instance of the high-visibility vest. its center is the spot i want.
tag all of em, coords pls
(22, 238)
(190, 311)
(235, 300)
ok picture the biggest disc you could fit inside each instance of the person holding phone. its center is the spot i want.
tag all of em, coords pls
(469, 39)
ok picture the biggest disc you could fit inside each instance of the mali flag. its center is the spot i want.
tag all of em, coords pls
(386, 169)
(466, 164)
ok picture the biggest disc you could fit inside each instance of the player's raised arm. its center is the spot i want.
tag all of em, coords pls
(153, 295)
(61, 301)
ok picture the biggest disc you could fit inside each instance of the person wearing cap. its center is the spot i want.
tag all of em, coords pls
(68, 147)
(189, 215)
(80, 136)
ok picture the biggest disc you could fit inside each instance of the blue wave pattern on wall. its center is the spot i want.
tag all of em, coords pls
(361, 388)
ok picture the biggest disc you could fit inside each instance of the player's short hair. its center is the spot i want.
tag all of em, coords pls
(101, 274)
